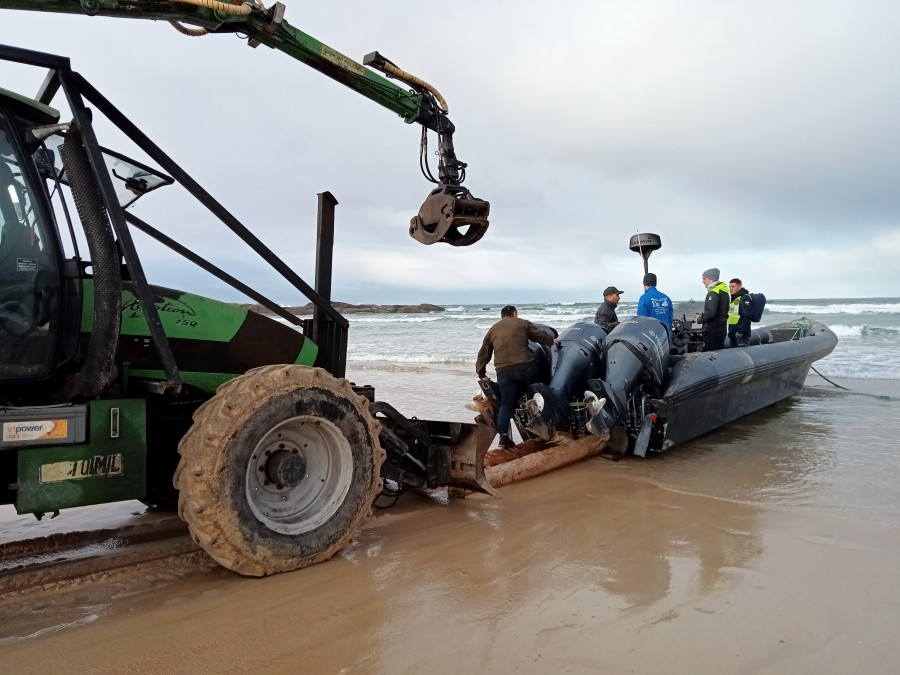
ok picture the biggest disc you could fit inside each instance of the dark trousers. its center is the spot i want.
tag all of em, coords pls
(737, 339)
(509, 382)
(714, 338)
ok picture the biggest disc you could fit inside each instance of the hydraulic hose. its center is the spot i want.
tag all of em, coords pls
(240, 10)
(226, 7)
(402, 75)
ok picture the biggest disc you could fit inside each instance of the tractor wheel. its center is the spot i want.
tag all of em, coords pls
(279, 469)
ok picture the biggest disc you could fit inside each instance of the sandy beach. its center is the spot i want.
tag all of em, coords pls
(754, 138)
(767, 547)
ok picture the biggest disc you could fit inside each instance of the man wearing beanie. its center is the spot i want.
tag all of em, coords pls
(655, 303)
(715, 311)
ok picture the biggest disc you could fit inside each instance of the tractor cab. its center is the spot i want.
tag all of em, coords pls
(32, 287)
(30, 259)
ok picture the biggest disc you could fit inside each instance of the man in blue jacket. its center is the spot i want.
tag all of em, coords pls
(655, 303)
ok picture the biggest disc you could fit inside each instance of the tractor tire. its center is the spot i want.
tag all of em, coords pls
(279, 469)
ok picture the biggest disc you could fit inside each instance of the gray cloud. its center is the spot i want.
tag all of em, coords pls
(758, 137)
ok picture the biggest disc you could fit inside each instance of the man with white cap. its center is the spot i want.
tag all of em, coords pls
(715, 311)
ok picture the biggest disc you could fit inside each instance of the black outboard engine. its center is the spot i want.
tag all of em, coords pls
(541, 353)
(577, 358)
(636, 356)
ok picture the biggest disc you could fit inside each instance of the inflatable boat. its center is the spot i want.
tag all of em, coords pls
(643, 388)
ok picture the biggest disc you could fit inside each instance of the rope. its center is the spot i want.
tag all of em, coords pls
(880, 397)
(813, 368)
(802, 327)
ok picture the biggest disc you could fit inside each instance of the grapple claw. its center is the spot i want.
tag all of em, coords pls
(452, 215)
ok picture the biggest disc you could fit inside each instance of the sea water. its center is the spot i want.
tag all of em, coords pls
(832, 446)
(427, 361)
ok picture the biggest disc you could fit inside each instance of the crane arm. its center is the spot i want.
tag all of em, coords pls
(450, 214)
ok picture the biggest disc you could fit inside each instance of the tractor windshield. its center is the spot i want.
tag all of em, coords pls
(29, 278)
(130, 178)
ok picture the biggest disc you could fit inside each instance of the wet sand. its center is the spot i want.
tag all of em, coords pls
(768, 547)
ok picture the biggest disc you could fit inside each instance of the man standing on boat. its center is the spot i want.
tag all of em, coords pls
(715, 311)
(739, 312)
(655, 303)
(606, 313)
(507, 340)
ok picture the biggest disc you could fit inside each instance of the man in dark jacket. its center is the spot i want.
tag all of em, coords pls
(739, 312)
(715, 311)
(606, 313)
(507, 340)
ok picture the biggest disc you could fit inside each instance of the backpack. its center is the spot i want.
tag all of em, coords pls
(759, 303)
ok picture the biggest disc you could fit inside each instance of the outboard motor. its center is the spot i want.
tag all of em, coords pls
(541, 353)
(636, 353)
(577, 358)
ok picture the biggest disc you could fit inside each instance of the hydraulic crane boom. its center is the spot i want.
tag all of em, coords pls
(450, 214)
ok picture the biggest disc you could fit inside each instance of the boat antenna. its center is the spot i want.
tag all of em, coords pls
(645, 244)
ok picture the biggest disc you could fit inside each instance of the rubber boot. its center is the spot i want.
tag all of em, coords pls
(506, 442)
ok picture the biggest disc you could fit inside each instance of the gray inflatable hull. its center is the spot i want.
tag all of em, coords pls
(705, 391)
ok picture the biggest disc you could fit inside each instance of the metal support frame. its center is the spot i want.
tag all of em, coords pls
(71, 85)
(230, 221)
(328, 330)
(207, 266)
(328, 334)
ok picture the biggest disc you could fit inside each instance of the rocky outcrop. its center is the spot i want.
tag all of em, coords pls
(346, 308)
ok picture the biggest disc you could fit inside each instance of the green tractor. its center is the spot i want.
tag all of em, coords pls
(112, 388)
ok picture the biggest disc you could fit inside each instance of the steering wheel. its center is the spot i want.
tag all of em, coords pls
(15, 319)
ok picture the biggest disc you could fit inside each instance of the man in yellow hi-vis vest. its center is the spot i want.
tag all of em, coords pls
(739, 312)
(715, 311)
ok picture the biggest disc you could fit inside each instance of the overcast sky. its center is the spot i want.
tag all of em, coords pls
(760, 137)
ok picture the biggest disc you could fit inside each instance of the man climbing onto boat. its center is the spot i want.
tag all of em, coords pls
(739, 312)
(715, 311)
(507, 340)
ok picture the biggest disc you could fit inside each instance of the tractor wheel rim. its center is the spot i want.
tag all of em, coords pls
(308, 500)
